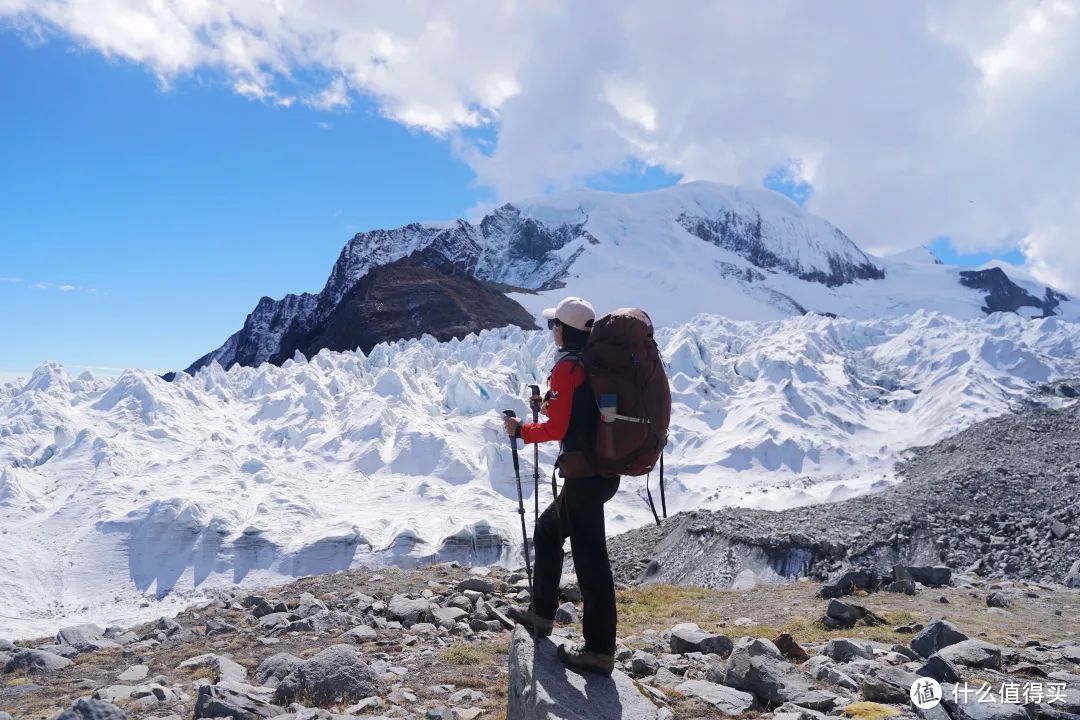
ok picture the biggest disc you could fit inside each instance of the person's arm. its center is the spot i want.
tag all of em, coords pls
(564, 380)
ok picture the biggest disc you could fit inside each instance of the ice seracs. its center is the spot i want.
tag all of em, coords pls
(117, 492)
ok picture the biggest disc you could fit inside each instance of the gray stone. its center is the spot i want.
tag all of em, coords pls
(80, 637)
(568, 586)
(135, 673)
(36, 661)
(310, 605)
(224, 668)
(757, 667)
(360, 634)
(6, 646)
(643, 663)
(112, 693)
(886, 684)
(214, 627)
(940, 669)
(84, 709)
(447, 617)
(561, 693)
(727, 700)
(689, 639)
(409, 611)
(935, 636)
(324, 621)
(972, 709)
(478, 584)
(276, 668)
(566, 613)
(842, 649)
(973, 653)
(65, 651)
(841, 614)
(794, 712)
(336, 675)
(273, 620)
(234, 700)
(998, 600)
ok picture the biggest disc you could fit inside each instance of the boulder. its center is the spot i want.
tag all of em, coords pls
(81, 637)
(563, 694)
(728, 701)
(223, 668)
(844, 582)
(972, 709)
(886, 684)
(410, 611)
(840, 614)
(930, 575)
(85, 709)
(112, 693)
(35, 661)
(998, 600)
(566, 613)
(447, 617)
(277, 667)
(483, 585)
(940, 669)
(935, 636)
(757, 667)
(842, 650)
(643, 663)
(360, 634)
(236, 701)
(568, 586)
(336, 675)
(135, 673)
(325, 620)
(973, 653)
(688, 638)
(310, 605)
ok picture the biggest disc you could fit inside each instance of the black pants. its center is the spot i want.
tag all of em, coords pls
(578, 514)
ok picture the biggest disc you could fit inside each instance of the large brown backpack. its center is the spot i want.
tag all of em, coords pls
(622, 360)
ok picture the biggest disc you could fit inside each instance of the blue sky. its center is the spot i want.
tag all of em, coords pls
(139, 225)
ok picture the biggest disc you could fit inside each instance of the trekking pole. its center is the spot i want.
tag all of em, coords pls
(521, 502)
(536, 454)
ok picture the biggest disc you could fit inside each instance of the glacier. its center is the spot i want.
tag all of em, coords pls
(124, 498)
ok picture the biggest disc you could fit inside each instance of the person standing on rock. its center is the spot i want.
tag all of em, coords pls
(578, 511)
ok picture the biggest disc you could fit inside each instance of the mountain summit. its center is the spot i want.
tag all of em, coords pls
(747, 253)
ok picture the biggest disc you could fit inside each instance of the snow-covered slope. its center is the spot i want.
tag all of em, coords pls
(120, 498)
(746, 253)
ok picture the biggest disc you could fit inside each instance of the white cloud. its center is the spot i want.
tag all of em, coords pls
(911, 119)
(62, 287)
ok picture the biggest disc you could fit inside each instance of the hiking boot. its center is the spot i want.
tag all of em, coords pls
(540, 627)
(579, 658)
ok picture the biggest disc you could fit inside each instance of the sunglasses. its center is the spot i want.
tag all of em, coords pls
(552, 323)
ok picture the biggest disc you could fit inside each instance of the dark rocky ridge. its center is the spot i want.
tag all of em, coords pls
(406, 299)
(1003, 295)
(1001, 498)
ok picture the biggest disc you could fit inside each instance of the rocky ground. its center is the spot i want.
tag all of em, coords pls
(1001, 499)
(434, 643)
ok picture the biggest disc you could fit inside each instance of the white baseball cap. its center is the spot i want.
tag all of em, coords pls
(572, 311)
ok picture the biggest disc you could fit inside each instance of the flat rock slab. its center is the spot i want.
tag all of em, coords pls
(564, 694)
(727, 700)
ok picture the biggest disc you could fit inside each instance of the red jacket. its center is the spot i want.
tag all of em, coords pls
(566, 377)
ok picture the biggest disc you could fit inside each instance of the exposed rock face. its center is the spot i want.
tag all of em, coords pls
(1003, 295)
(542, 687)
(336, 675)
(405, 299)
(745, 235)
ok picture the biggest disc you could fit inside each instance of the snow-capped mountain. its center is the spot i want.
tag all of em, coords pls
(746, 253)
(122, 498)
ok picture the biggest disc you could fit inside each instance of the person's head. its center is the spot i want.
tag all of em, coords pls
(570, 322)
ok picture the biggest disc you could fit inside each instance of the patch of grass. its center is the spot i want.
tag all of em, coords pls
(661, 606)
(870, 711)
(464, 654)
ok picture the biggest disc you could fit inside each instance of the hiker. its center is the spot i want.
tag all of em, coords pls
(578, 511)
